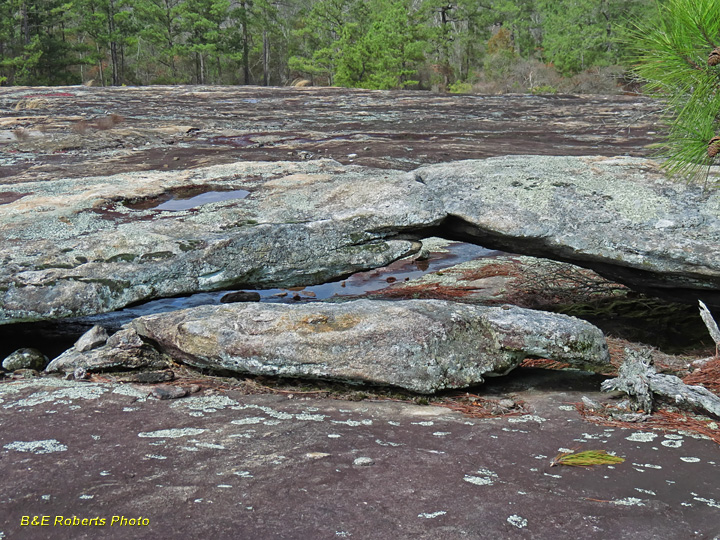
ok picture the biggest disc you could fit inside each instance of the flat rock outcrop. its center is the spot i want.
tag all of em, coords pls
(620, 216)
(420, 345)
(79, 246)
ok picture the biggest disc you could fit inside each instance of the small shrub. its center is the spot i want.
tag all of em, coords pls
(460, 87)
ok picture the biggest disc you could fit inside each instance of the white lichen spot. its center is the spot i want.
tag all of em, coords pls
(130, 409)
(155, 456)
(526, 418)
(710, 502)
(387, 443)
(394, 423)
(479, 480)
(104, 473)
(172, 433)
(129, 390)
(591, 436)
(248, 421)
(354, 423)
(343, 534)
(84, 496)
(46, 446)
(642, 436)
(426, 423)
(690, 459)
(243, 474)
(212, 446)
(540, 456)
(62, 396)
(334, 435)
(310, 417)
(566, 450)
(207, 404)
(225, 486)
(566, 407)
(647, 465)
(646, 491)
(517, 521)
(629, 501)
(441, 433)
(432, 515)
(486, 477)
(672, 443)
(45, 497)
(552, 475)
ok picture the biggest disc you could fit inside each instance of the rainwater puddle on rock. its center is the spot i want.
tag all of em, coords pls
(187, 199)
(358, 284)
(203, 198)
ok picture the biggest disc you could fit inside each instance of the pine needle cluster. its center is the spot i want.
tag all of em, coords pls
(588, 458)
(679, 57)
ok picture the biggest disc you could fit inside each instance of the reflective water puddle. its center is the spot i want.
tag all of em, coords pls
(187, 198)
(203, 198)
(357, 284)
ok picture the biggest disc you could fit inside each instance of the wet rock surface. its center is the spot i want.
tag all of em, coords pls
(420, 345)
(273, 467)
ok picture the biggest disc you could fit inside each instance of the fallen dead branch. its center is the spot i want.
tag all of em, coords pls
(638, 378)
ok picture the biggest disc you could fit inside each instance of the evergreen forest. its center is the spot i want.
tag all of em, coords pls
(446, 45)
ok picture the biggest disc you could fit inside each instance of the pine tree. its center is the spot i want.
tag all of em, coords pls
(679, 57)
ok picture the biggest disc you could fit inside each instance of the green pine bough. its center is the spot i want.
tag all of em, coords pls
(679, 58)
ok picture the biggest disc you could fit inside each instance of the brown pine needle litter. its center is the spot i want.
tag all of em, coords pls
(661, 419)
(588, 458)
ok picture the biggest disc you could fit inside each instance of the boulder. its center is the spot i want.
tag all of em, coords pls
(25, 359)
(123, 350)
(96, 337)
(420, 345)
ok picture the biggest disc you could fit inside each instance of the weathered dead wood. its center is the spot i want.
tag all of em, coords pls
(638, 378)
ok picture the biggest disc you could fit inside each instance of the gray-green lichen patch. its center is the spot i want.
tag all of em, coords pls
(172, 433)
(47, 446)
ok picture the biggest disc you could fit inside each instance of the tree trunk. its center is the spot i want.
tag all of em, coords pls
(113, 45)
(266, 59)
(25, 24)
(246, 52)
(202, 68)
(100, 66)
